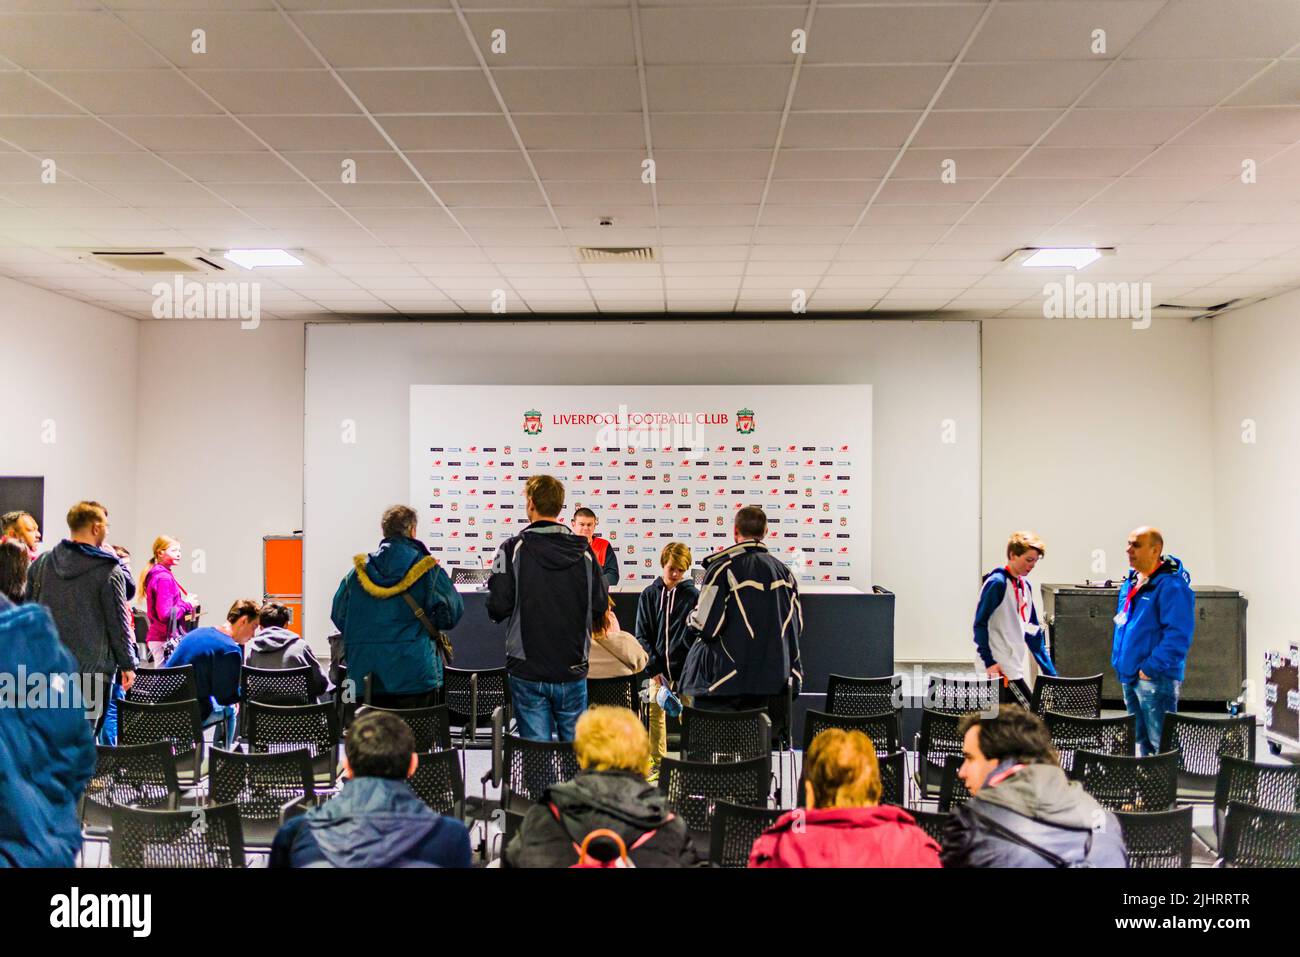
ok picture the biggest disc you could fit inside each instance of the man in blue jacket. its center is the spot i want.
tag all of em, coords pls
(382, 635)
(377, 820)
(47, 753)
(1154, 618)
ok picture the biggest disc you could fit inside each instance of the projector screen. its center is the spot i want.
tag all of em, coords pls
(656, 464)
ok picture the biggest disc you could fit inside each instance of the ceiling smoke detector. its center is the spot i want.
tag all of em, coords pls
(617, 254)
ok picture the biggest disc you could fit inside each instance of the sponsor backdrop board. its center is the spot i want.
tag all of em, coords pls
(656, 464)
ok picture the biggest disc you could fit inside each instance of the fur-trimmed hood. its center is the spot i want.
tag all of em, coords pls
(393, 567)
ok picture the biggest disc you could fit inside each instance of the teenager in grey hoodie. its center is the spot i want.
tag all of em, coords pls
(276, 648)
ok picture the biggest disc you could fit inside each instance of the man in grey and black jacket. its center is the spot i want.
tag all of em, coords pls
(546, 586)
(85, 588)
(1024, 812)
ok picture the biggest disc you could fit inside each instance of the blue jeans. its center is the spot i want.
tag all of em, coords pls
(218, 711)
(108, 727)
(546, 708)
(1150, 700)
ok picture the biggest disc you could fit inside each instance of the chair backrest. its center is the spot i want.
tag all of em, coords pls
(275, 685)
(848, 696)
(1125, 783)
(438, 782)
(259, 784)
(725, 736)
(1257, 837)
(284, 727)
(735, 829)
(1201, 742)
(192, 837)
(162, 685)
(472, 695)
(1071, 733)
(931, 822)
(431, 727)
(615, 692)
(1157, 838)
(952, 789)
(881, 728)
(530, 767)
(140, 775)
(693, 788)
(1080, 697)
(1272, 786)
(939, 738)
(961, 695)
(176, 722)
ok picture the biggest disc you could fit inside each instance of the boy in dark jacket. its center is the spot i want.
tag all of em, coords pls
(609, 792)
(217, 655)
(276, 648)
(662, 612)
(47, 754)
(1024, 812)
(382, 636)
(376, 820)
(546, 586)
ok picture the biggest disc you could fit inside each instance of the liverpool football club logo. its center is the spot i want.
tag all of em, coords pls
(532, 422)
(745, 421)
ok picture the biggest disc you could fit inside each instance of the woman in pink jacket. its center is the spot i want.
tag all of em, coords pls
(163, 595)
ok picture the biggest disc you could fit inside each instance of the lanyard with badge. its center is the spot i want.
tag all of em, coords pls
(1122, 617)
(1024, 596)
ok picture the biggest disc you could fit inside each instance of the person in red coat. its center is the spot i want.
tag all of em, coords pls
(844, 824)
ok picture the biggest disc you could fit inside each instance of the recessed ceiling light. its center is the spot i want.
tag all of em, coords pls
(1065, 258)
(257, 258)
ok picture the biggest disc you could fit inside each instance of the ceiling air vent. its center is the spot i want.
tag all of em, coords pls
(150, 260)
(1200, 312)
(616, 254)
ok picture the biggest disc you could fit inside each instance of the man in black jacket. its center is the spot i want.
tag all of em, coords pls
(85, 587)
(546, 586)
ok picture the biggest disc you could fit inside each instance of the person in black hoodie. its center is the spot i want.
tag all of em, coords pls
(85, 588)
(662, 612)
(276, 647)
(546, 586)
(609, 792)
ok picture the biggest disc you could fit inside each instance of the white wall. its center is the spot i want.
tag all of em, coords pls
(1092, 428)
(220, 451)
(1257, 377)
(71, 412)
(925, 525)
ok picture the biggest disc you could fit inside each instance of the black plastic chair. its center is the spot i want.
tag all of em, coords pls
(163, 685)
(206, 837)
(176, 722)
(140, 775)
(939, 738)
(1157, 838)
(471, 697)
(273, 686)
(431, 727)
(1201, 743)
(528, 768)
(853, 696)
(1257, 837)
(1272, 786)
(615, 692)
(260, 785)
(932, 823)
(961, 696)
(719, 737)
(437, 782)
(1071, 733)
(881, 728)
(893, 781)
(1080, 697)
(952, 789)
(735, 829)
(281, 727)
(693, 789)
(1123, 783)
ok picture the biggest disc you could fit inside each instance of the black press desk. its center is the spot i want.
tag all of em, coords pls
(845, 632)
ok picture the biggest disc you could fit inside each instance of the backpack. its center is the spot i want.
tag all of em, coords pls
(586, 860)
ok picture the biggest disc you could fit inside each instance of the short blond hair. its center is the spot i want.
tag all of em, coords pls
(675, 554)
(547, 494)
(611, 739)
(1021, 542)
(85, 514)
(843, 770)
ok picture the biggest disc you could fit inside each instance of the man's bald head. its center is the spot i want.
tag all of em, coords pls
(1145, 546)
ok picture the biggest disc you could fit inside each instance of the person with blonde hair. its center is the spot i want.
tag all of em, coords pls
(662, 612)
(844, 823)
(1006, 619)
(609, 792)
(166, 603)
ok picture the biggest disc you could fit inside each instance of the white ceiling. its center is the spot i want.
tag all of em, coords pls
(480, 171)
